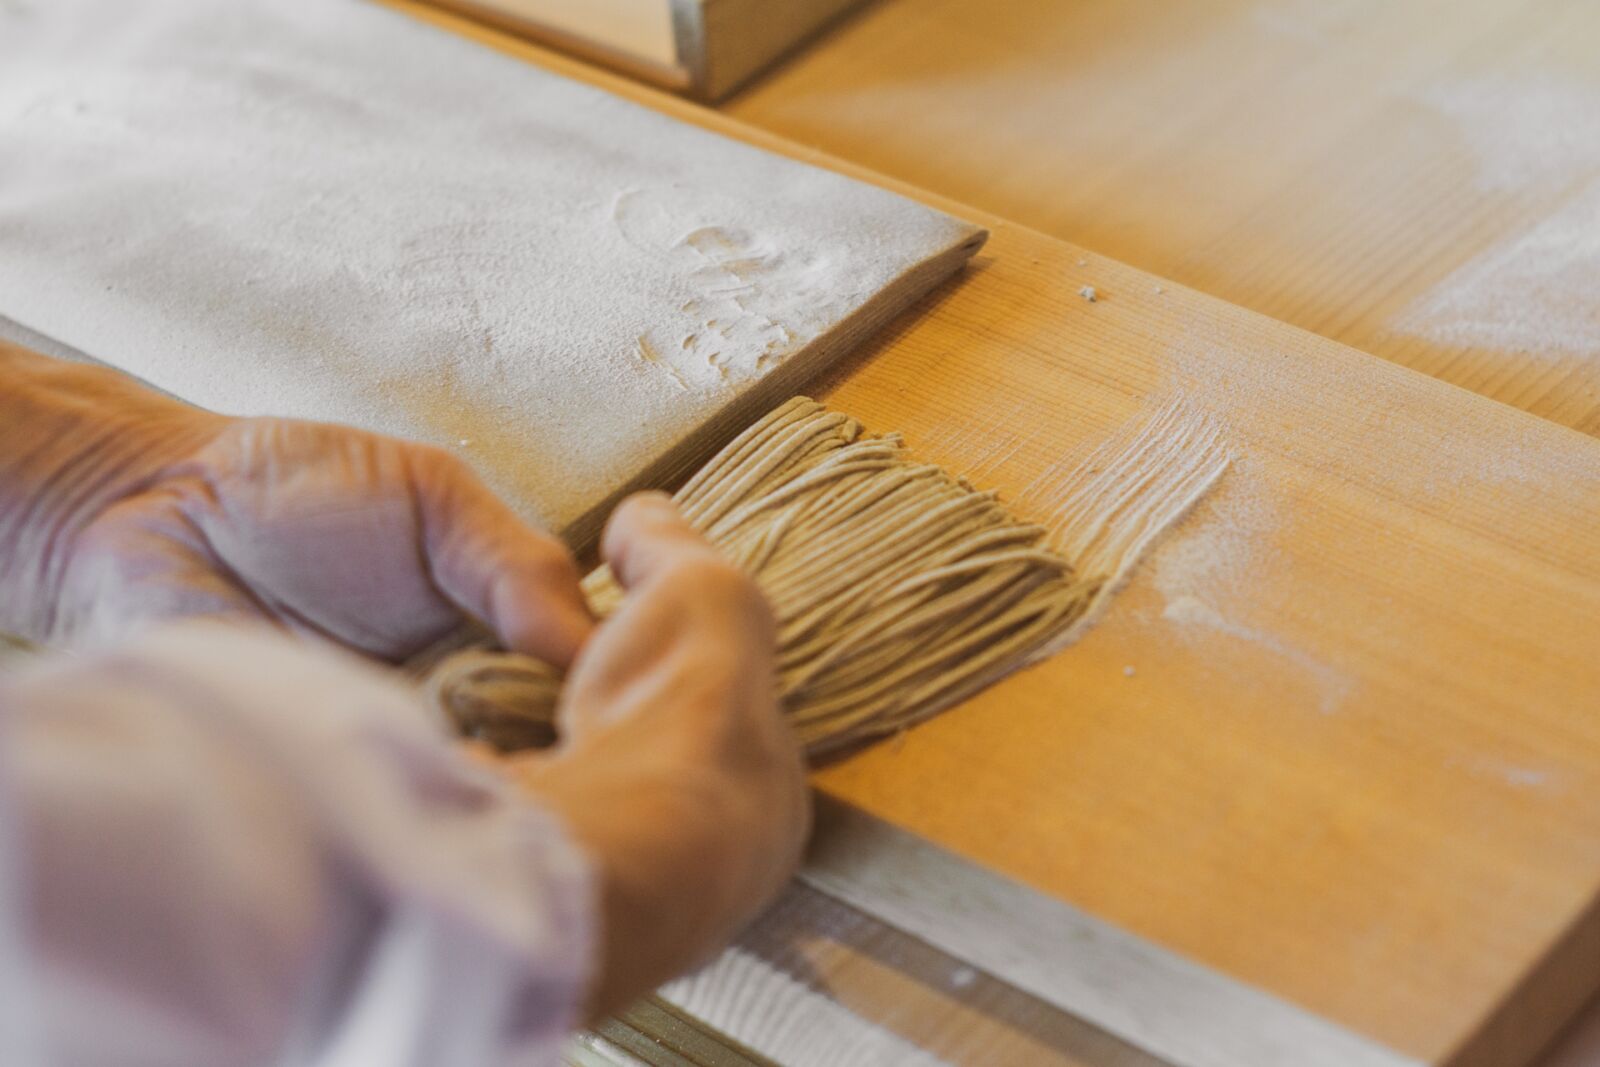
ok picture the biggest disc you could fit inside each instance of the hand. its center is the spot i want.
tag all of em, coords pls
(675, 770)
(122, 507)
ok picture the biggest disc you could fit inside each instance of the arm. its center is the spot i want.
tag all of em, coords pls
(214, 823)
(679, 783)
(224, 846)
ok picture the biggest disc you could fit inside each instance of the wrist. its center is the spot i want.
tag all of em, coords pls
(680, 864)
(74, 439)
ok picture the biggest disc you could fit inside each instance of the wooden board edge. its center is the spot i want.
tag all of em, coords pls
(1540, 1008)
(689, 30)
(1150, 997)
(725, 59)
(673, 78)
(800, 371)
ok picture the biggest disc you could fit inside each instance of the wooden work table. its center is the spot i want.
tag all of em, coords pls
(1420, 180)
(1337, 740)
(1337, 166)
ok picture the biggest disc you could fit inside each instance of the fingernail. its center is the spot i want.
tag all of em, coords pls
(654, 498)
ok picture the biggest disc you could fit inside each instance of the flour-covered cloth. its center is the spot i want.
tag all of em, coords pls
(327, 209)
(221, 848)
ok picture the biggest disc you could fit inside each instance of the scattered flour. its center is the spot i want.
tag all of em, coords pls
(1302, 426)
(962, 977)
(1307, 22)
(1535, 293)
(1515, 775)
(1219, 569)
(1524, 131)
(1333, 686)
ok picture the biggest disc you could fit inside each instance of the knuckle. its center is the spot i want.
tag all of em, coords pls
(715, 577)
(549, 561)
(724, 588)
(437, 462)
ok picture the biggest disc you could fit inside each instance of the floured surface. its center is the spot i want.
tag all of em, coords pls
(327, 210)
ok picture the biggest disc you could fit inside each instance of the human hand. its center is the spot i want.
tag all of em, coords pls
(120, 507)
(675, 769)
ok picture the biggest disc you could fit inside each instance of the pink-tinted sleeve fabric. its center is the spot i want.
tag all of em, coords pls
(221, 846)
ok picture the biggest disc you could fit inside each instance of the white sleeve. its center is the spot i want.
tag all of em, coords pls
(223, 846)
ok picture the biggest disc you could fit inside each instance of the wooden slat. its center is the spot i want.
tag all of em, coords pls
(1328, 164)
(1360, 764)
(817, 983)
(1357, 761)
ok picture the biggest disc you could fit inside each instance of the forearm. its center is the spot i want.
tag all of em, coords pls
(73, 438)
(240, 847)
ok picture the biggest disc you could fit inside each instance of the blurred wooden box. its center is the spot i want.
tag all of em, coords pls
(704, 48)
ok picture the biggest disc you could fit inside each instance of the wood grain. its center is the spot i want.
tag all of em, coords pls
(1357, 763)
(1373, 749)
(1328, 164)
(817, 983)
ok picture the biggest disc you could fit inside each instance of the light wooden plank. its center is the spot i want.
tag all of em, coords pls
(1357, 761)
(1420, 180)
(1186, 1014)
(818, 983)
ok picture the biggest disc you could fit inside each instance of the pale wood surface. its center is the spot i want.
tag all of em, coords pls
(1358, 763)
(1330, 164)
(1374, 754)
(724, 43)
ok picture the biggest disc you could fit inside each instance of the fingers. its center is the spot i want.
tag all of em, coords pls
(648, 536)
(522, 582)
(676, 770)
(694, 640)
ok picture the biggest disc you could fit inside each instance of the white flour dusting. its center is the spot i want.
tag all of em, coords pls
(325, 209)
(1514, 775)
(1215, 572)
(1333, 686)
(1308, 430)
(1306, 22)
(1537, 292)
(1523, 131)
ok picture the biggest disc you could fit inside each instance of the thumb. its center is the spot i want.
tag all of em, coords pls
(492, 565)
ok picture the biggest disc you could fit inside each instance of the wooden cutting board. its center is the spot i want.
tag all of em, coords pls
(1339, 739)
